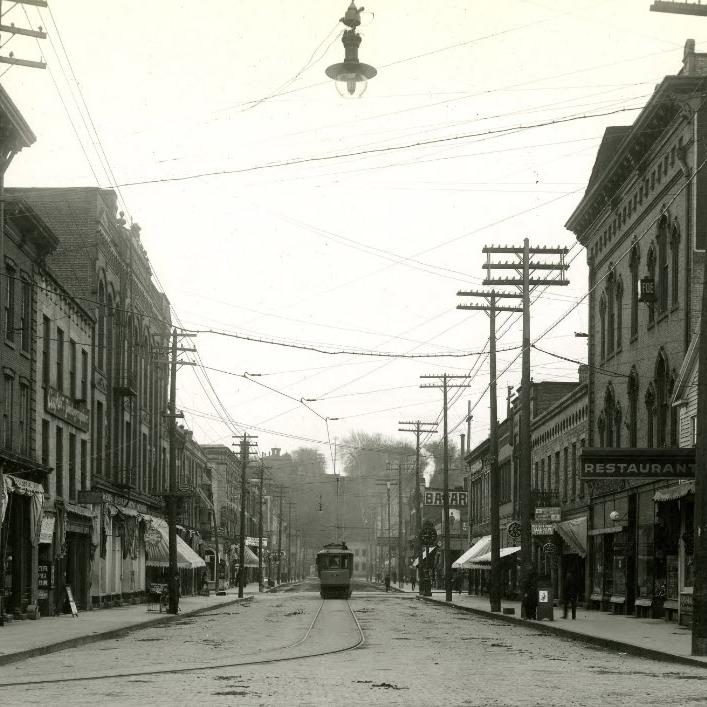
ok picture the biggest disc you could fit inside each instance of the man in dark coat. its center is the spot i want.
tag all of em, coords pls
(571, 591)
(530, 592)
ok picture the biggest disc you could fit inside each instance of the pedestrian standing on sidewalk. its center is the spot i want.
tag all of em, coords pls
(530, 592)
(387, 582)
(413, 579)
(570, 596)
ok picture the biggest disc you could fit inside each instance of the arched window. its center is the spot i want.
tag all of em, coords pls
(675, 264)
(662, 283)
(661, 400)
(674, 431)
(619, 313)
(609, 416)
(618, 418)
(101, 326)
(650, 264)
(634, 262)
(633, 408)
(601, 428)
(610, 314)
(602, 326)
(650, 414)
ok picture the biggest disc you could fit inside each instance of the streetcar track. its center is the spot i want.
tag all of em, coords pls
(191, 669)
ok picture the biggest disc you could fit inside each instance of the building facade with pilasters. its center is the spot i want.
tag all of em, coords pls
(643, 222)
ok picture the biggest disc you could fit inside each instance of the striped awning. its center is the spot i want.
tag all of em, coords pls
(674, 493)
(251, 559)
(480, 547)
(157, 548)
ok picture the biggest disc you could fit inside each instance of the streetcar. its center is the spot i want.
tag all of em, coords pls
(334, 569)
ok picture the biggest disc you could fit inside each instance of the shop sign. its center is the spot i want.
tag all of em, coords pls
(542, 528)
(435, 497)
(548, 514)
(638, 464)
(646, 289)
(153, 537)
(256, 541)
(686, 602)
(63, 407)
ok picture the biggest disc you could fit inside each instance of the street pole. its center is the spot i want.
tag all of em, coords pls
(245, 445)
(389, 549)
(260, 526)
(524, 285)
(418, 429)
(491, 308)
(289, 539)
(445, 377)
(279, 539)
(400, 525)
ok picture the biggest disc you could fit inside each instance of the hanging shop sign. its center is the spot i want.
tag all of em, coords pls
(624, 463)
(435, 497)
(646, 289)
(514, 529)
(548, 514)
(542, 528)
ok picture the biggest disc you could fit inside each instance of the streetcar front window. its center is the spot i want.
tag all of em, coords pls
(334, 562)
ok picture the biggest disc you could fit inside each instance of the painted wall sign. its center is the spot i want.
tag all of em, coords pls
(597, 463)
(542, 528)
(63, 407)
(435, 497)
(548, 514)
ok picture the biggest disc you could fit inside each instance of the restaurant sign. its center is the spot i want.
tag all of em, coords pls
(674, 463)
(435, 497)
(63, 407)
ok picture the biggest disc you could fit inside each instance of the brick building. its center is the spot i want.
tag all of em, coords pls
(101, 262)
(643, 222)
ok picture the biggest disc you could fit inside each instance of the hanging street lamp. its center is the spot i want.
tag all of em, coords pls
(351, 76)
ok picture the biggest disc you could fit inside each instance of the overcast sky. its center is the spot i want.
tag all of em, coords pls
(362, 251)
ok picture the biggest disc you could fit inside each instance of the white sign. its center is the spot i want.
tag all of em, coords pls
(543, 596)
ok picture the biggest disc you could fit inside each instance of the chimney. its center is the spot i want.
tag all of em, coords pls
(688, 58)
(583, 372)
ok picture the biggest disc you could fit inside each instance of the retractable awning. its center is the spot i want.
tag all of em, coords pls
(674, 493)
(574, 533)
(425, 552)
(158, 551)
(484, 562)
(480, 547)
(251, 559)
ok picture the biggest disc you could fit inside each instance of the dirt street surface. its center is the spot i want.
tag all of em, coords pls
(413, 654)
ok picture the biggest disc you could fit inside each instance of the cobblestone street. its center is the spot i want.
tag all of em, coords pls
(414, 653)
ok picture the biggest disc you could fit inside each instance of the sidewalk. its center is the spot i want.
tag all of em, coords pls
(25, 639)
(649, 638)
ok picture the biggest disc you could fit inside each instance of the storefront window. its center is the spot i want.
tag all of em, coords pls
(644, 559)
(619, 564)
(598, 566)
(688, 539)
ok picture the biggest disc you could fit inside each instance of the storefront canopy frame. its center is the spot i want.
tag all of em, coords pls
(158, 553)
(480, 547)
(674, 493)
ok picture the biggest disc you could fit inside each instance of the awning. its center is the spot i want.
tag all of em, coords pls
(484, 562)
(251, 559)
(425, 552)
(158, 552)
(673, 493)
(574, 533)
(480, 547)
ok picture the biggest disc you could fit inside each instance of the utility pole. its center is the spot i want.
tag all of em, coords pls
(173, 493)
(445, 378)
(400, 524)
(418, 428)
(279, 539)
(491, 308)
(522, 266)
(245, 445)
(387, 486)
(24, 32)
(260, 525)
(289, 538)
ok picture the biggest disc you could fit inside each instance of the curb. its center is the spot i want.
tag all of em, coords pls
(112, 633)
(607, 643)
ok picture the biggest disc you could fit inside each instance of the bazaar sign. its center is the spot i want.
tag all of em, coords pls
(435, 497)
(675, 463)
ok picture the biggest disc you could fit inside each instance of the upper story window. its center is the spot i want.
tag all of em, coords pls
(60, 360)
(9, 322)
(662, 284)
(675, 264)
(650, 264)
(619, 312)
(101, 327)
(26, 315)
(602, 326)
(634, 262)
